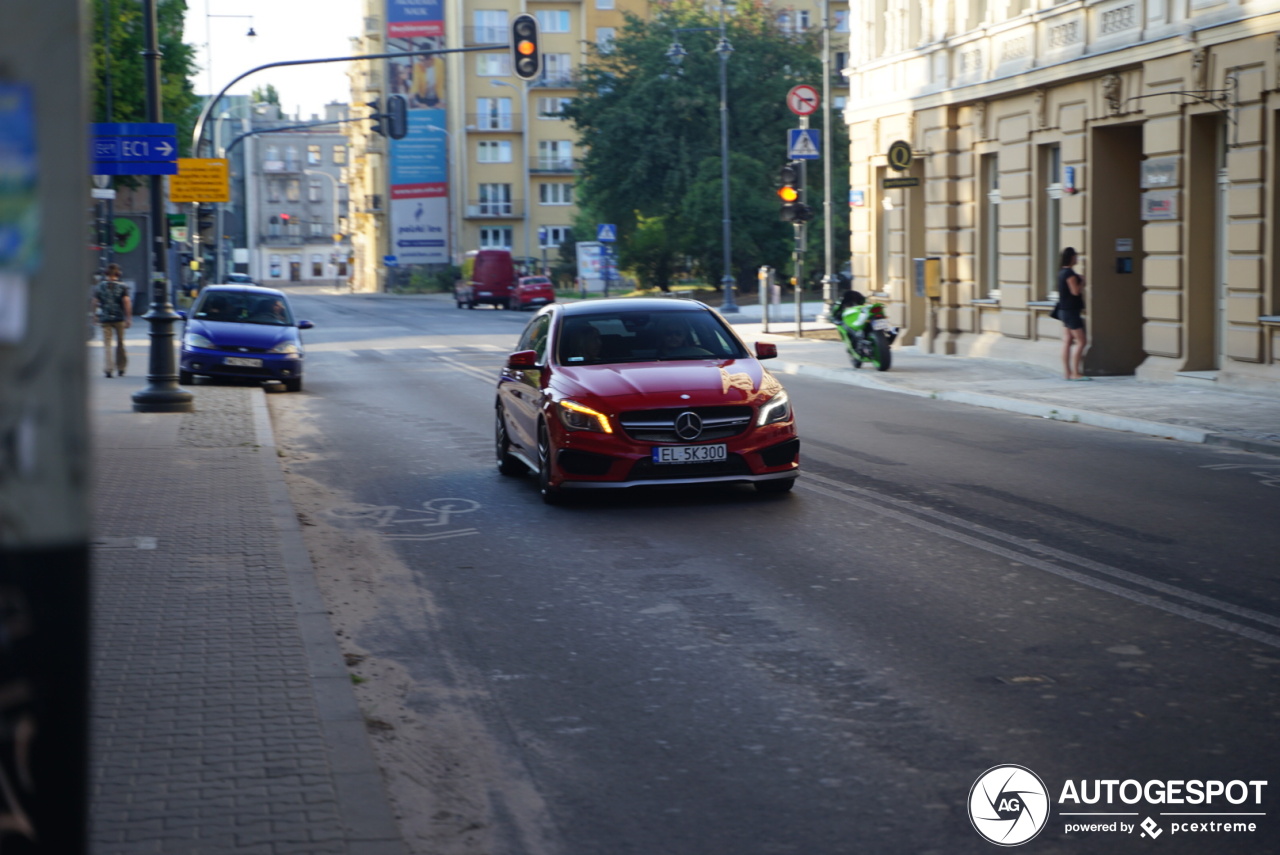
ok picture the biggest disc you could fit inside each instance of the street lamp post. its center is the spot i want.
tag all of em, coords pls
(677, 53)
(524, 145)
(162, 394)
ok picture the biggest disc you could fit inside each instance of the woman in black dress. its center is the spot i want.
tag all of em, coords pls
(1070, 311)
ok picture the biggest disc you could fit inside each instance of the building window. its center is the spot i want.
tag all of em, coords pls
(802, 20)
(275, 266)
(314, 191)
(493, 114)
(495, 199)
(498, 237)
(273, 190)
(493, 65)
(552, 108)
(554, 236)
(840, 21)
(317, 229)
(555, 155)
(604, 38)
(1051, 221)
(553, 21)
(604, 4)
(313, 155)
(493, 151)
(342, 269)
(491, 26)
(293, 190)
(317, 266)
(339, 155)
(557, 69)
(839, 61)
(989, 223)
(558, 193)
(291, 159)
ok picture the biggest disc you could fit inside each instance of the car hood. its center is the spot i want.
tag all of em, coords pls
(664, 384)
(227, 334)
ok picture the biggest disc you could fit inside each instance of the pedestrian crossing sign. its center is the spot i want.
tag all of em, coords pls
(802, 144)
(606, 232)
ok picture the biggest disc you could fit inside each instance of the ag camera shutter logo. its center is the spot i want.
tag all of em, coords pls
(1008, 805)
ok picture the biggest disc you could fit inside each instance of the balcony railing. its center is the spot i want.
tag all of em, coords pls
(547, 164)
(486, 209)
(560, 80)
(509, 122)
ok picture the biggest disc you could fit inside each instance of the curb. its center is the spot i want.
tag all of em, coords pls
(1035, 408)
(361, 794)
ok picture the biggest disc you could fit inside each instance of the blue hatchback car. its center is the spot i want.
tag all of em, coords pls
(242, 331)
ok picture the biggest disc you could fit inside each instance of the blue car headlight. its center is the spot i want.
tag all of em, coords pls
(192, 339)
(286, 347)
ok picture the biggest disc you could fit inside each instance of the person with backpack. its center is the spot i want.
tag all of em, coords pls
(114, 309)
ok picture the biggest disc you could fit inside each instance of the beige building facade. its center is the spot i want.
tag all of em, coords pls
(1139, 132)
(513, 160)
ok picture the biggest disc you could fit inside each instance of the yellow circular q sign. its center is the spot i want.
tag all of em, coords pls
(900, 156)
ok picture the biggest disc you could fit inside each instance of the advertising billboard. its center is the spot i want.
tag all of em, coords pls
(419, 163)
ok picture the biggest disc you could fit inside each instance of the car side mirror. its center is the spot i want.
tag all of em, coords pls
(182, 314)
(305, 325)
(523, 359)
(766, 350)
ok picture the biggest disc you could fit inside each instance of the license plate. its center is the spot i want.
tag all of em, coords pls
(242, 362)
(880, 324)
(690, 453)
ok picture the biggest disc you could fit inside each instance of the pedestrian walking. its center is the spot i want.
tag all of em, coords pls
(1070, 311)
(114, 308)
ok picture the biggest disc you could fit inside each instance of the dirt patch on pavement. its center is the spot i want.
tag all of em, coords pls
(443, 770)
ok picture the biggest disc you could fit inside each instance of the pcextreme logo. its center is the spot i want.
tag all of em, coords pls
(1009, 805)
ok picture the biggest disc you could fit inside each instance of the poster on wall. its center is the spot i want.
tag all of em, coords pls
(419, 163)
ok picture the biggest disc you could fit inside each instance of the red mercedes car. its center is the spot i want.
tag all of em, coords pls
(635, 392)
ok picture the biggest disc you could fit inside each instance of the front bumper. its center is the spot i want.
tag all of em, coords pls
(210, 363)
(587, 460)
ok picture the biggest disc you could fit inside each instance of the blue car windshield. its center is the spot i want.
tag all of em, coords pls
(242, 308)
(610, 337)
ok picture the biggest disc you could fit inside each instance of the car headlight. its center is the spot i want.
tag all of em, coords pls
(776, 409)
(192, 339)
(286, 347)
(574, 416)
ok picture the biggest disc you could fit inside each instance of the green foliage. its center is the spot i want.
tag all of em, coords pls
(265, 95)
(118, 42)
(652, 134)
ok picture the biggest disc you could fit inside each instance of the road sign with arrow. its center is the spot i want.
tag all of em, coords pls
(135, 148)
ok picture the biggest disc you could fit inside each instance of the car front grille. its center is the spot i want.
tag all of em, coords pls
(660, 425)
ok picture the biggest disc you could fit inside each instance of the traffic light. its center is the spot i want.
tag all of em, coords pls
(376, 114)
(397, 117)
(204, 222)
(789, 189)
(525, 58)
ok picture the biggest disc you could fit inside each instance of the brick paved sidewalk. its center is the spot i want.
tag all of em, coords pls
(223, 717)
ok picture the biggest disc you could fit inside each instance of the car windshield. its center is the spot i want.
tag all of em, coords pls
(629, 336)
(243, 308)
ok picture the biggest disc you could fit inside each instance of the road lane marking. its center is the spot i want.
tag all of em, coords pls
(875, 503)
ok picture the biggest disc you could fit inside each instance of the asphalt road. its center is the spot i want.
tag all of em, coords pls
(718, 672)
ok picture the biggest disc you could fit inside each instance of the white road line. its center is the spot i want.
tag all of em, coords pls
(875, 503)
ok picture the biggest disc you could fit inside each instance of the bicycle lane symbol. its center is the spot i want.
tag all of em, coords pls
(397, 523)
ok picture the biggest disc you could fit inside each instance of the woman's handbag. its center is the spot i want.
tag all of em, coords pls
(1054, 312)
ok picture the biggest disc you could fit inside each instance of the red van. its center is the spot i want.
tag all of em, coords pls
(491, 280)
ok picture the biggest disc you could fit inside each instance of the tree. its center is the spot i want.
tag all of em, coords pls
(119, 37)
(652, 133)
(265, 95)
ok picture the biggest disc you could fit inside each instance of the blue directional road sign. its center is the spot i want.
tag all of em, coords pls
(606, 232)
(390, 261)
(802, 144)
(135, 148)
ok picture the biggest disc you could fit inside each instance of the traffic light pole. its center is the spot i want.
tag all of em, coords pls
(799, 228)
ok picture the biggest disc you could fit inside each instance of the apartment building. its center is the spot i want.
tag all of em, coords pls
(1139, 132)
(296, 204)
(493, 147)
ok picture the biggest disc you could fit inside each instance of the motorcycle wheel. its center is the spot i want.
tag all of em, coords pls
(881, 346)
